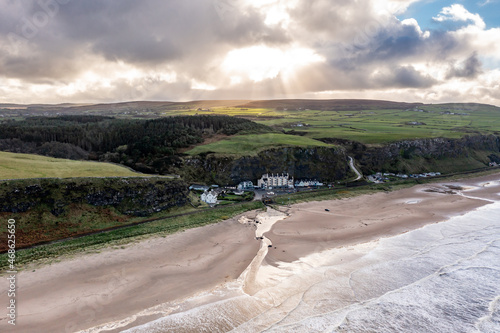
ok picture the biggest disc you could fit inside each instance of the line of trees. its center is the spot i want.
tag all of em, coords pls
(145, 145)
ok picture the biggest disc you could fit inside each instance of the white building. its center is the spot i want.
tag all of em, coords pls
(198, 187)
(307, 183)
(246, 185)
(271, 181)
(209, 197)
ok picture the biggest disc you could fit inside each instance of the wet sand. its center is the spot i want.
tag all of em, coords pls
(117, 284)
(310, 228)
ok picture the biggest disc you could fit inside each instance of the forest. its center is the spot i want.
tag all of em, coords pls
(150, 146)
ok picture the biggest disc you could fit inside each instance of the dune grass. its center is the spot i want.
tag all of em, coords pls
(18, 166)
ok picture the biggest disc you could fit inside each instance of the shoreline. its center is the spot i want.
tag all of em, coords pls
(92, 290)
(369, 217)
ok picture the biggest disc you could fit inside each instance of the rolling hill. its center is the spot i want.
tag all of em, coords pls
(18, 166)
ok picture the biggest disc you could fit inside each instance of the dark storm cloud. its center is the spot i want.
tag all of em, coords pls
(146, 33)
(360, 44)
(404, 77)
(469, 69)
(157, 31)
(366, 50)
(397, 43)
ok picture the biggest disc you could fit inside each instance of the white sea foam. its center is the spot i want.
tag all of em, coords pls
(443, 277)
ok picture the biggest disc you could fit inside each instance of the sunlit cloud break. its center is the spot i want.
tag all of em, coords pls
(93, 51)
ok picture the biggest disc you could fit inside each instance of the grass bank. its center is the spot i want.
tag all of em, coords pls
(17, 166)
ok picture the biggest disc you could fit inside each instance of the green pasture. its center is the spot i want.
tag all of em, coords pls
(380, 126)
(253, 143)
(16, 166)
(372, 126)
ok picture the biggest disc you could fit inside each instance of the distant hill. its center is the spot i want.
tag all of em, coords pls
(329, 104)
(166, 106)
(68, 108)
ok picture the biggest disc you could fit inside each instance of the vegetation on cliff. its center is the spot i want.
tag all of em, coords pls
(49, 209)
(425, 155)
(119, 237)
(327, 163)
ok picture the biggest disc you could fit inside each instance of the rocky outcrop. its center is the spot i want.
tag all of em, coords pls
(326, 164)
(132, 196)
(392, 156)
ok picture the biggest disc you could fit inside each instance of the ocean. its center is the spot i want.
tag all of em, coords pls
(444, 277)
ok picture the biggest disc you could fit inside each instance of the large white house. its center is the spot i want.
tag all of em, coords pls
(246, 185)
(209, 197)
(272, 181)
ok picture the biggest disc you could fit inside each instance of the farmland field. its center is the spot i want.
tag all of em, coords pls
(16, 166)
(370, 126)
(367, 121)
(253, 143)
(380, 125)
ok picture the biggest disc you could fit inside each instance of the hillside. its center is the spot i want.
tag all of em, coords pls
(251, 144)
(329, 104)
(367, 121)
(125, 108)
(49, 209)
(216, 136)
(150, 146)
(17, 166)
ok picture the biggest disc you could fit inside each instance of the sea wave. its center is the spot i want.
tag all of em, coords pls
(444, 277)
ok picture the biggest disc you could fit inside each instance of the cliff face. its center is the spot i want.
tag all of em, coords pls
(402, 155)
(131, 196)
(326, 164)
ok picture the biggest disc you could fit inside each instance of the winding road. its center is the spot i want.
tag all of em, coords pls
(351, 164)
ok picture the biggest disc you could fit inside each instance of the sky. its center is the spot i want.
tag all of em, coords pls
(94, 51)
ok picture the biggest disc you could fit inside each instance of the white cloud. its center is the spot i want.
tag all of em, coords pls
(413, 23)
(258, 63)
(486, 2)
(457, 12)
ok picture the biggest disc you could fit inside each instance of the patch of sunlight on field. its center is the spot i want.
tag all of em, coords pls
(253, 143)
(16, 166)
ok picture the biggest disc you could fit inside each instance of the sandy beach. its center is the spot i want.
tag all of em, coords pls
(94, 289)
(310, 228)
(115, 286)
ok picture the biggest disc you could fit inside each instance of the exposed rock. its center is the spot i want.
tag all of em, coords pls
(323, 163)
(390, 156)
(134, 196)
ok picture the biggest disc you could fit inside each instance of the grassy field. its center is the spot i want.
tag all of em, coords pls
(370, 122)
(374, 126)
(17, 166)
(253, 143)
